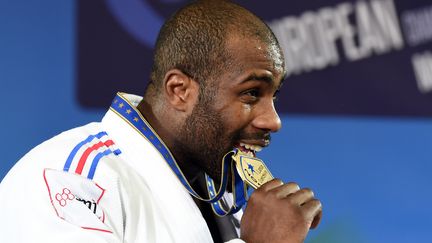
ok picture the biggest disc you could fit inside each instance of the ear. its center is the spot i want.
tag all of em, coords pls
(181, 90)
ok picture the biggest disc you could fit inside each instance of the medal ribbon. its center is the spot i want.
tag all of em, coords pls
(239, 190)
(122, 107)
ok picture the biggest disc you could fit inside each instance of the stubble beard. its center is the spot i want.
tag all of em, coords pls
(204, 141)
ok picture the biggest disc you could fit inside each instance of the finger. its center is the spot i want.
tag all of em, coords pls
(271, 185)
(316, 220)
(286, 189)
(313, 210)
(302, 196)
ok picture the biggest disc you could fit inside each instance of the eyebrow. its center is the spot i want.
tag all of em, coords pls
(265, 78)
(254, 76)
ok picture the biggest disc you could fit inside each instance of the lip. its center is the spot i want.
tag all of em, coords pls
(262, 143)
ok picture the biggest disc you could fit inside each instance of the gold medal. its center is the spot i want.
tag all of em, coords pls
(252, 170)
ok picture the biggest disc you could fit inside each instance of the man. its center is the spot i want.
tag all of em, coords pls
(140, 175)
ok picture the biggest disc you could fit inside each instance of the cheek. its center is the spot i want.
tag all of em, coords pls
(237, 117)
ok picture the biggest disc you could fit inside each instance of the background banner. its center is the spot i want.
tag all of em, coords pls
(343, 57)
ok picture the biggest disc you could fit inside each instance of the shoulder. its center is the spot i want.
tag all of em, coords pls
(74, 156)
(76, 152)
(72, 151)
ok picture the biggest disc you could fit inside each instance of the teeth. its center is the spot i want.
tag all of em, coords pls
(258, 148)
(255, 148)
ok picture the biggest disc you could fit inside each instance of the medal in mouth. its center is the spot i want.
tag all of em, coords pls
(248, 170)
(251, 169)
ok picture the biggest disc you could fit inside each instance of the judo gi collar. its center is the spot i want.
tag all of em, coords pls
(123, 108)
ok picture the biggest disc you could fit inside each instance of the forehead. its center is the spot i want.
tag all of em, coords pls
(249, 53)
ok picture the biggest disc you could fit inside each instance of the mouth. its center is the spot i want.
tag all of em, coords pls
(251, 148)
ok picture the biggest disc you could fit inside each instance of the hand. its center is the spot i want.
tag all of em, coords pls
(278, 212)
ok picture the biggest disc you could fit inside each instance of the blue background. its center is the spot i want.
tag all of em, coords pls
(371, 174)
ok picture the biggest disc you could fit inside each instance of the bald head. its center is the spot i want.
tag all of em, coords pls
(194, 39)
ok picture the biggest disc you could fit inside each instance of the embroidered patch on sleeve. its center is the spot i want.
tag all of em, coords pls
(76, 199)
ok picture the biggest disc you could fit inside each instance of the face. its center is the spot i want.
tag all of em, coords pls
(237, 107)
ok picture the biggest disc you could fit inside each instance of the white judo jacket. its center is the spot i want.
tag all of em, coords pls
(102, 182)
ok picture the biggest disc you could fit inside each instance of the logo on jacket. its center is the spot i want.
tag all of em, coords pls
(64, 197)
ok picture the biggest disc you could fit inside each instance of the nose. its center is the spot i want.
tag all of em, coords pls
(267, 118)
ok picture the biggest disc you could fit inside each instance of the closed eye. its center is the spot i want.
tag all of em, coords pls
(252, 92)
(250, 96)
